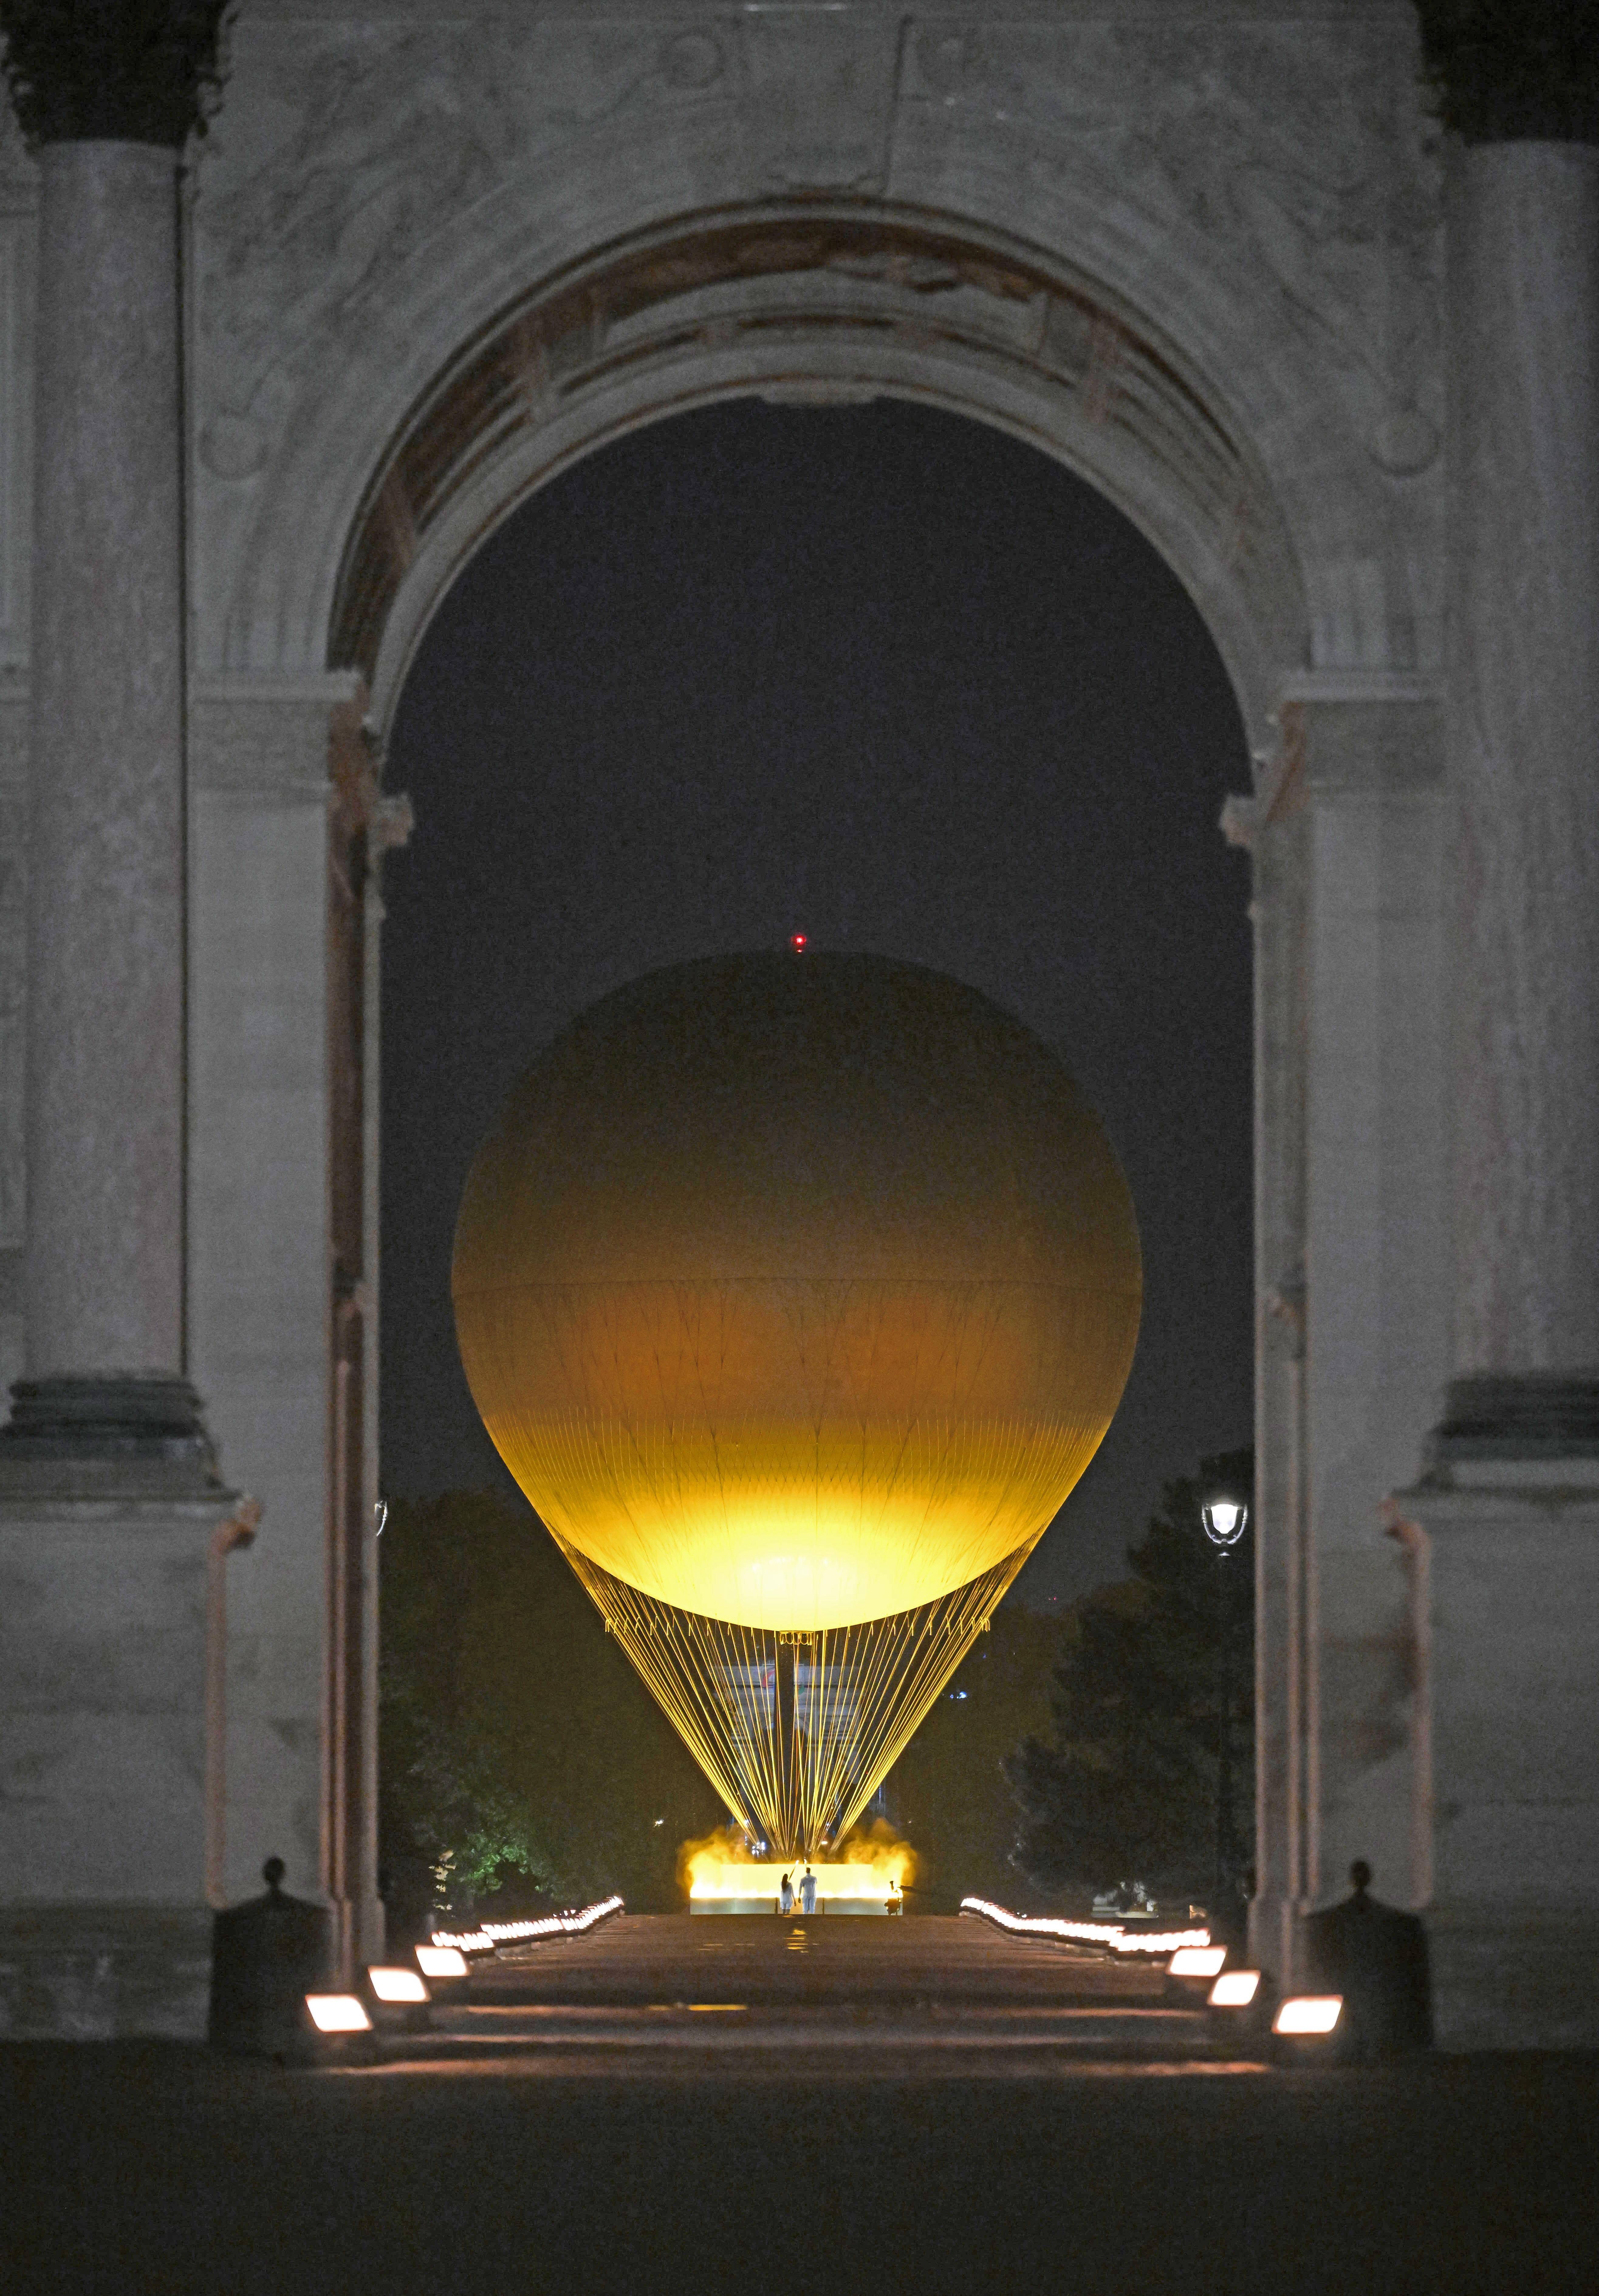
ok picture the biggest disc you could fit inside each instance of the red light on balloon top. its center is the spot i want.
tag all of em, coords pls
(798, 943)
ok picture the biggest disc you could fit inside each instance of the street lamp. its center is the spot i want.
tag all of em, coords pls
(1225, 1521)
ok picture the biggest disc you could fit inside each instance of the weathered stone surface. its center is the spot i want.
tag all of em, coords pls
(1506, 1739)
(1524, 703)
(257, 1232)
(82, 1972)
(105, 1067)
(102, 1698)
(368, 205)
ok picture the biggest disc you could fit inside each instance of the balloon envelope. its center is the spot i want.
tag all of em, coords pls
(796, 1290)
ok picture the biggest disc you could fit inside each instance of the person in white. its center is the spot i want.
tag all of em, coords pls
(807, 1892)
(785, 1894)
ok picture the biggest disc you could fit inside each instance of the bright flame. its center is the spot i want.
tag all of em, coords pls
(338, 2012)
(1197, 1961)
(1236, 1989)
(880, 1848)
(703, 1858)
(1308, 2012)
(441, 1961)
(873, 1866)
(397, 1985)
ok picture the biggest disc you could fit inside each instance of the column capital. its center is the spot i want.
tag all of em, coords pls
(1509, 71)
(99, 72)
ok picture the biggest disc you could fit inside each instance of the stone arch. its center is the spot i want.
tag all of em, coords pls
(822, 303)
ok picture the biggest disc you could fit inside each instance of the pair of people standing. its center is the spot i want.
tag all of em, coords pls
(807, 1893)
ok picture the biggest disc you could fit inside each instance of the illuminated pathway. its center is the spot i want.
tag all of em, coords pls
(826, 1995)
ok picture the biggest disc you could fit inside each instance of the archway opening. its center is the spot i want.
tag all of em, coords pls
(877, 673)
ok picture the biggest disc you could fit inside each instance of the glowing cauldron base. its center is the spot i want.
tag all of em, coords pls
(753, 1890)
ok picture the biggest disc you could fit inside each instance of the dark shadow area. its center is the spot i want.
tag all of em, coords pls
(159, 2170)
(886, 676)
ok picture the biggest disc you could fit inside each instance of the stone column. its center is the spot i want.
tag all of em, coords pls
(105, 1035)
(110, 1499)
(1525, 291)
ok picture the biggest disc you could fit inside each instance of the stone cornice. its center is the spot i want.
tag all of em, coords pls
(123, 72)
(1515, 70)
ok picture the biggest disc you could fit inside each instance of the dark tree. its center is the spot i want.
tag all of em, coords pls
(520, 1756)
(947, 1794)
(1127, 1784)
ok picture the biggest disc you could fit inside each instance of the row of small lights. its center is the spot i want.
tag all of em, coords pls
(444, 1959)
(1110, 1934)
(1191, 1956)
(493, 1933)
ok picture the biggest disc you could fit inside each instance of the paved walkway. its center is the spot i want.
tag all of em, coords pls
(815, 1998)
(866, 2120)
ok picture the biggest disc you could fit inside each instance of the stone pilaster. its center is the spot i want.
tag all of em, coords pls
(1351, 1272)
(1506, 1520)
(1273, 825)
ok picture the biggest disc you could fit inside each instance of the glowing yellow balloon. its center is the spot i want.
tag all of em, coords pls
(797, 1290)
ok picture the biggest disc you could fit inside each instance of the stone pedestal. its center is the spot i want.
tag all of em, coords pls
(1508, 1779)
(109, 1507)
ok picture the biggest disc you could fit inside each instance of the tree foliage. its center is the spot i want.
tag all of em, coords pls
(948, 1793)
(1126, 1783)
(520, 1756)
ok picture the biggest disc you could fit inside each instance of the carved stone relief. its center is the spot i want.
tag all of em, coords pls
(1295, 150)
(788, 276)
(1289, 155)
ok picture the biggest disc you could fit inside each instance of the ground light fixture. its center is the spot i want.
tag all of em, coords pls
(337, 2013)
(400, 1999)
(1237, 2006)
(441, 1961)
(397, 1985)
(1308, 2016)
(1192, 1968)
(1197, 1961)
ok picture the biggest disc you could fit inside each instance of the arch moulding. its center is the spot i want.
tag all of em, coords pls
(826, 304)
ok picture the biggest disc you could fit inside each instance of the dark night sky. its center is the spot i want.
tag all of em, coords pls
(878, 673)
